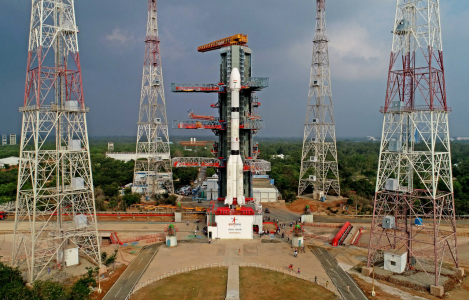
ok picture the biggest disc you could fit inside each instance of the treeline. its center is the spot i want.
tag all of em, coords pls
(14, 287)
(358, 164)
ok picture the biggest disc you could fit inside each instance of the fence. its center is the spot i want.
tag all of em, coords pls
(206, 266)
(172, 273)
(323, 225)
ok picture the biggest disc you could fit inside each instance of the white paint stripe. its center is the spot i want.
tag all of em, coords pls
(130, 274)
(118, 292)
(140, 261)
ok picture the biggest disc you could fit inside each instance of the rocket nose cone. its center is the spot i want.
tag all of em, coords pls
(235, 79)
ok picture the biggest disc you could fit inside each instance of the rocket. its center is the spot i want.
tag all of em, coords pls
(234, 168)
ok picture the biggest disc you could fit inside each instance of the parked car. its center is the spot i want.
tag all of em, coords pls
(267, 211)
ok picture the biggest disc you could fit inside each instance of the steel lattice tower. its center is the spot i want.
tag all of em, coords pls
(414, 174)
(153, 163)
(55, 208)
(319, 167)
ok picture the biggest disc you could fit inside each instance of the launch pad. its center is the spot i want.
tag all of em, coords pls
(236, 213)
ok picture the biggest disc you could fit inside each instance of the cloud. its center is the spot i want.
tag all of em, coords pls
(120, 37)
(354, 55)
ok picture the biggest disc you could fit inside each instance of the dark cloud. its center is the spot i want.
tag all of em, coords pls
(280, 33)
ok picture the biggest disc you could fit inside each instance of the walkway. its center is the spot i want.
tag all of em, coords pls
(232, 286)
(338, 276)
(122, 287)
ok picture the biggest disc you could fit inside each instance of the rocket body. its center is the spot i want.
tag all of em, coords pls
(235, 182)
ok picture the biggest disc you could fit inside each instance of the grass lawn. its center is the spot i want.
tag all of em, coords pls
(261, 284)
(206, 284)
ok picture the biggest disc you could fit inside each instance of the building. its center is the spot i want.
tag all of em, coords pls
(12, 139)
(11, 161)
(395, 260)
(4, 140)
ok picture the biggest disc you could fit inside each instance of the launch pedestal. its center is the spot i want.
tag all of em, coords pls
(233, 223)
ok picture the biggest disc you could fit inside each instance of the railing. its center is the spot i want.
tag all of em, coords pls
(218, 265)
(172, 273)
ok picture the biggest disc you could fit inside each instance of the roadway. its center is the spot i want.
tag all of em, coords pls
(129, 278)
(338, 276)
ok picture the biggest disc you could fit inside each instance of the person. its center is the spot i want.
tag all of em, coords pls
(298, 270)
(197, 227)
(304, 249)
(348, 289)
(291, 224)
(290, 267)
(239, 252)
(327, 284)
(48, 270)
(195, 232)
(187, 223)
(209, 241)
(283, 235)
(315, 279)
(295, 253)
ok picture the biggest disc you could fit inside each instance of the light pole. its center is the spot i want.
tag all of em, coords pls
(373, 290)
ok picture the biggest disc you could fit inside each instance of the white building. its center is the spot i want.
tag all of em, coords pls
(128, 156)
(12, 139)
(12, 161)
(234, 226)
(211, 187)
(395, 260)
(266, 194)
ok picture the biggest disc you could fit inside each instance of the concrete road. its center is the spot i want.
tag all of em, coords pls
(338, 276)
(130, 277)
(284, 216)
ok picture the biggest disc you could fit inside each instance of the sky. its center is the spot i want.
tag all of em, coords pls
(111, 42)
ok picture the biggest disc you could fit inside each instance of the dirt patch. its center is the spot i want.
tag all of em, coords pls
(107, 283)
(367, 288)
(206, 284)
(261, 284)
(299, 205)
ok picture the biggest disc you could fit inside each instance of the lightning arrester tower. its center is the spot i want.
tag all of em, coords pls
(153, 171)
(319, 167)
(55, 208)
(414, 205)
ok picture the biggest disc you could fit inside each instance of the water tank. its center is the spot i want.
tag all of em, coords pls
(323, 198)
(418, 221)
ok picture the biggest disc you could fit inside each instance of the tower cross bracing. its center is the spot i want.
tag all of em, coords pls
(153, 171)
(414, 181)
(319, 167)
(55, 208)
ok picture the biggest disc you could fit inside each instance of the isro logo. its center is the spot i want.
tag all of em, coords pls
(233, 223)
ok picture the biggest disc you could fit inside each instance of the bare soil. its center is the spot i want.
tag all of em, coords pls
(108, 282)
(261, 284)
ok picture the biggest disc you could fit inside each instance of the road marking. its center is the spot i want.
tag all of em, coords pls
(118, 292)
(140, 261)
(130, 274)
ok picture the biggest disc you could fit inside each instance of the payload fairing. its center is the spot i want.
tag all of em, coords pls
(235, 182)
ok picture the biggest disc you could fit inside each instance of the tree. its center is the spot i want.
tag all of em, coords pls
(130, 199)
(111, 190)
(81, 289)
(12, 284)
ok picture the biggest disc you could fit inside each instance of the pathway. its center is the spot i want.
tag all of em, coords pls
(122, 287)
(338, 276)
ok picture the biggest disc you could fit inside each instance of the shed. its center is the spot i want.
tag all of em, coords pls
(395, 260)
(266, 194)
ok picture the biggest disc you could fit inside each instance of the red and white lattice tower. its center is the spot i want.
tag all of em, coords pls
(414, 205)
(153, 172)
(55, 208)
(319, 167)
